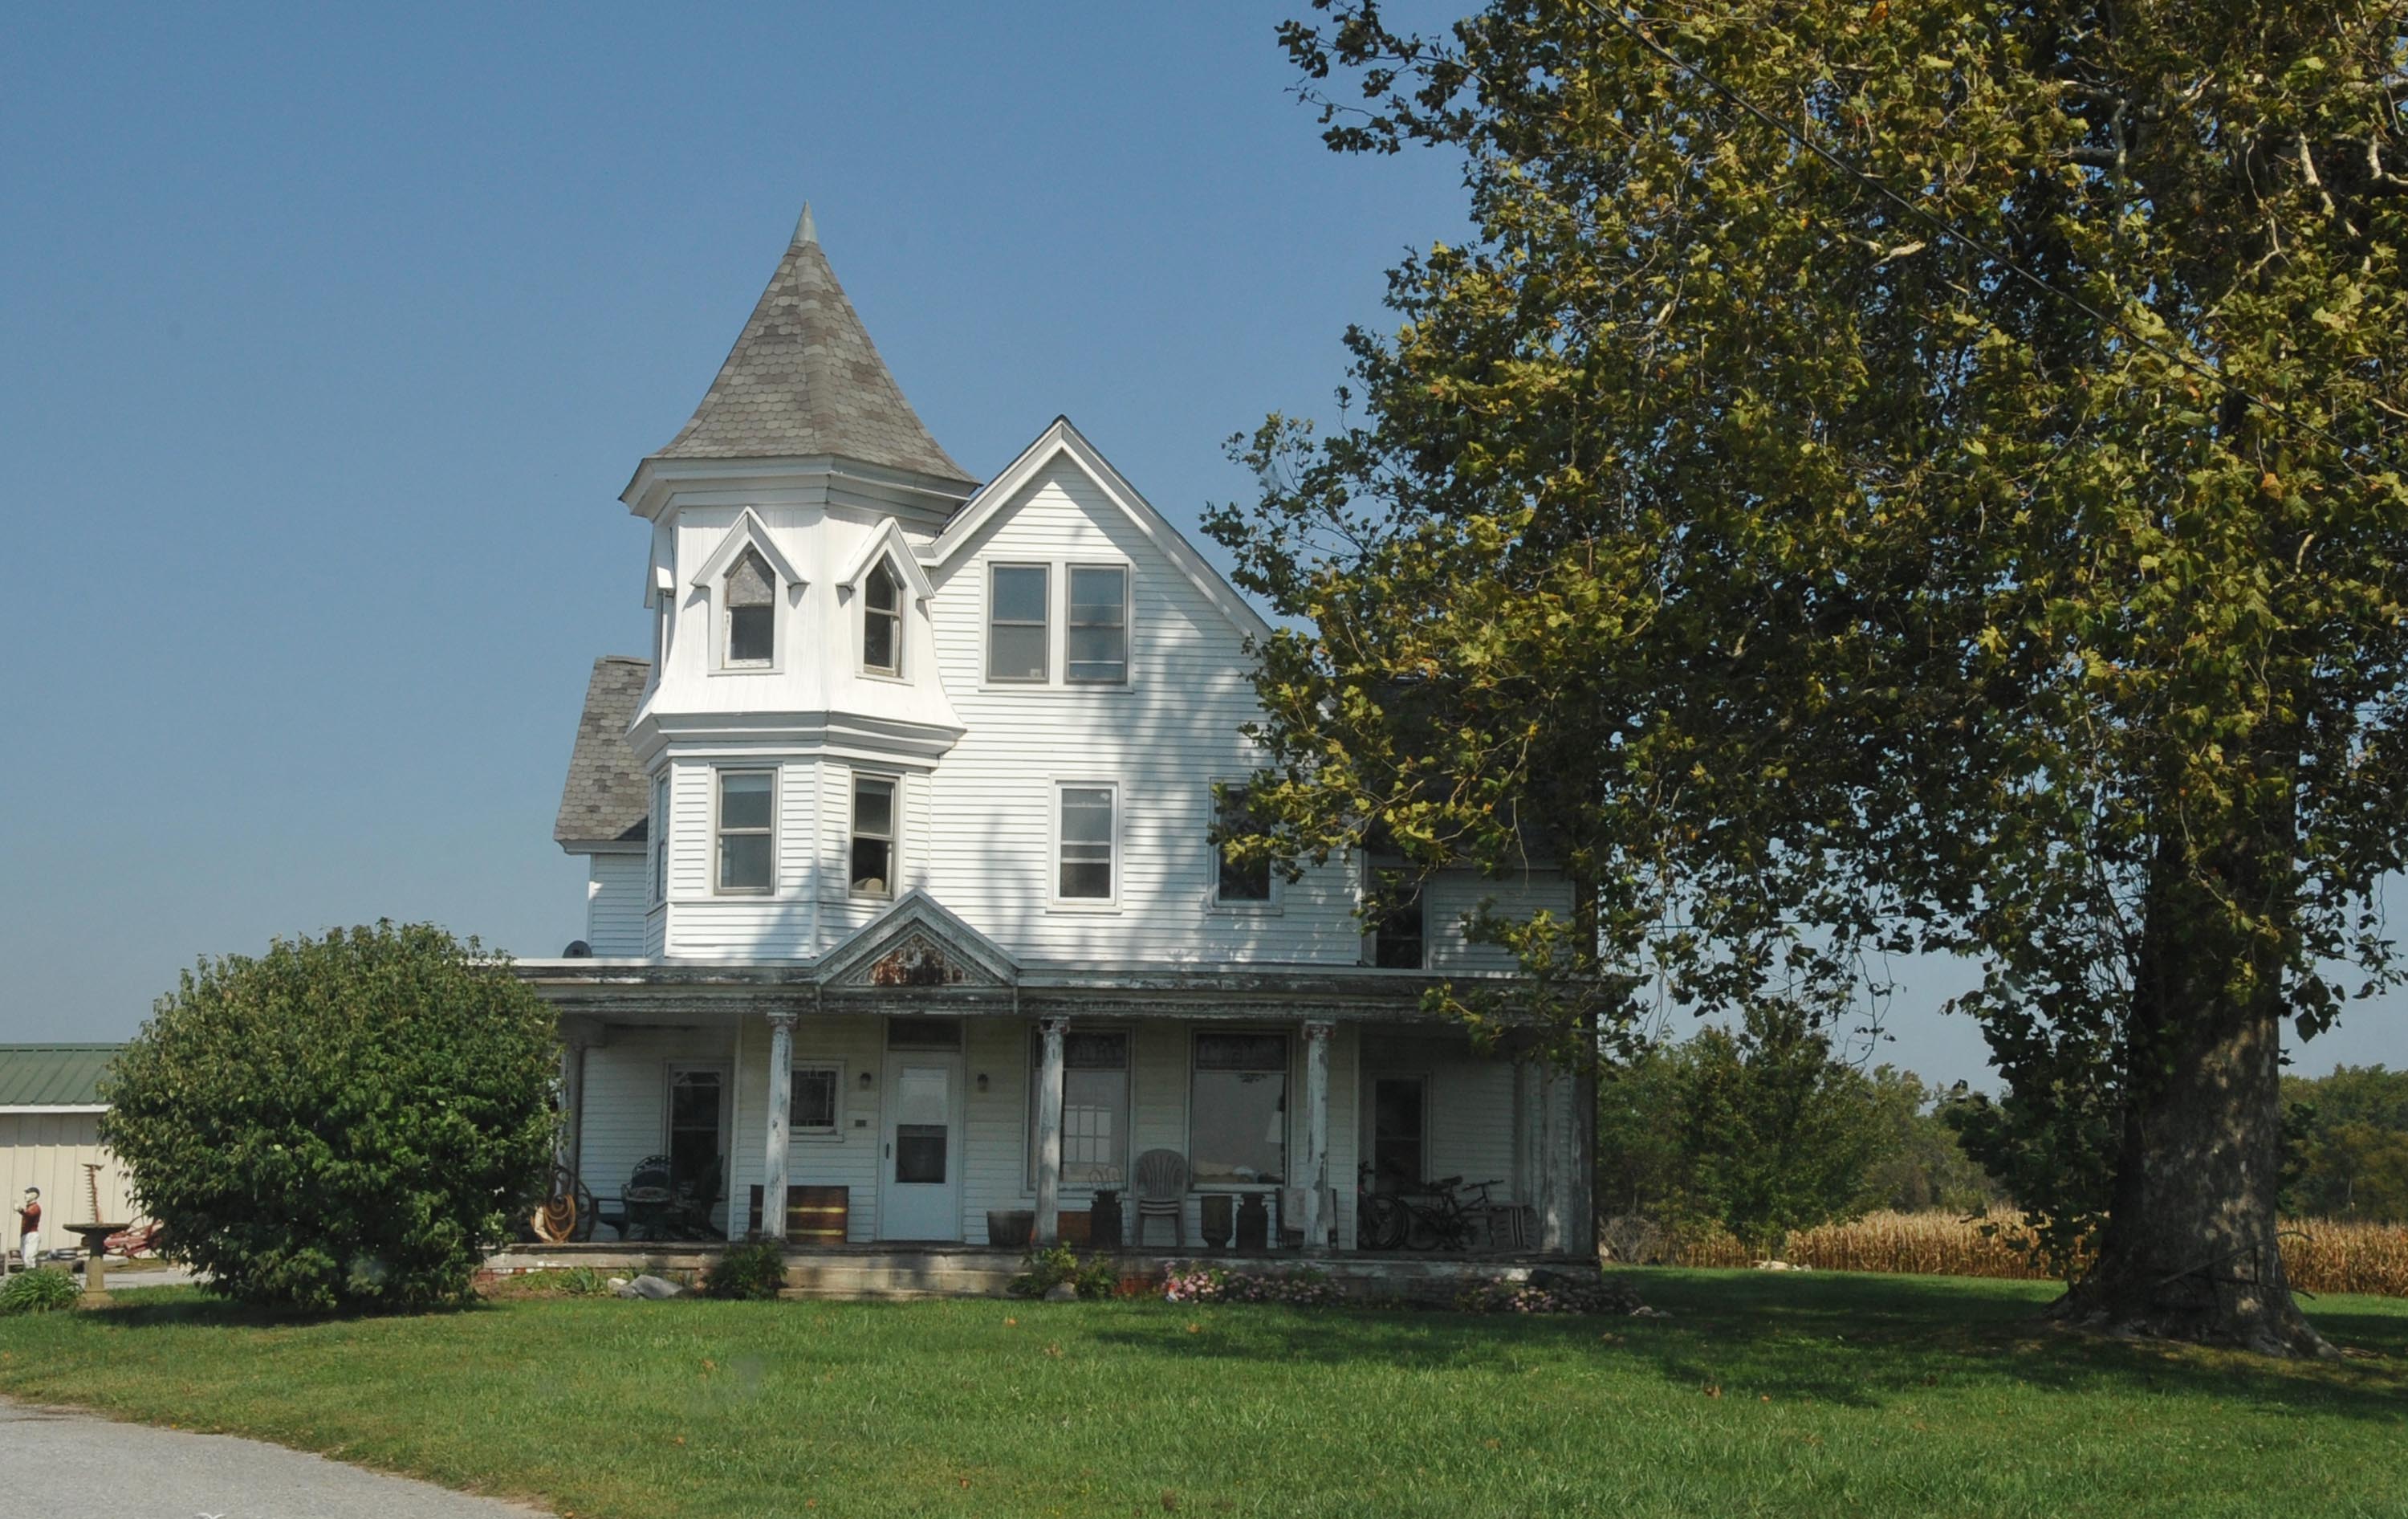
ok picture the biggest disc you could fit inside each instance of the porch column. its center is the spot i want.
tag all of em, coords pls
(1049, 1130)
(1315, 1171)
(1558, 1140)
(781, 1107)
(572, 1102)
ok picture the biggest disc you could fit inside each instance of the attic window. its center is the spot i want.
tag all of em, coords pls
(751, 597)
(882, 623)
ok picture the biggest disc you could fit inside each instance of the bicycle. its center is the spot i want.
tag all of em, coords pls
(1425, 1215)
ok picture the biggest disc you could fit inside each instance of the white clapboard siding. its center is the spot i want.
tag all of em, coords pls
(1470, 1119)
(614, 904)
(49, 1150)
(849, 1158)
(1453, 899)
(706, 926)
(1163, 740)
(626, 1095)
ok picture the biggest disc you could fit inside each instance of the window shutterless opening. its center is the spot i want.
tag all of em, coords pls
(1086, 866)
(751, 593)
(811, 1107)
(872, 866)
(1236, 883)
(748, 853)
(1094, 649)
(1398, 939)
(882, 623)
(1018, 604)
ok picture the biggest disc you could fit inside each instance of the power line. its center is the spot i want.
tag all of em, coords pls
(1949, 230)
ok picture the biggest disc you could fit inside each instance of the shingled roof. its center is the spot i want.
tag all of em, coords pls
(804, 379)
(604, 800)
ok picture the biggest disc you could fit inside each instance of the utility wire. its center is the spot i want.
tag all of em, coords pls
(1946, 229)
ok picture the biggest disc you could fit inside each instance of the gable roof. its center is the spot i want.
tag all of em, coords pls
(930, 938)
(1063, 439)
(804, 379)
(53, 1075)
(603, 801)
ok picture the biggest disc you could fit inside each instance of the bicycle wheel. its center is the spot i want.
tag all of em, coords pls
(1382, 1223)
(1422, 1233)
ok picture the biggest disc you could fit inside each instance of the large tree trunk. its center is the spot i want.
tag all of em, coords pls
(2189, 1250)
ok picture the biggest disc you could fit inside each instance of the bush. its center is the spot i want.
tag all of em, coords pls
(1045, 1268)
(754, 1270)
(39, 1291)
(348, 1122)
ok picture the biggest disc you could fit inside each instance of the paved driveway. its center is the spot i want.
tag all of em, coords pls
(133, 1472)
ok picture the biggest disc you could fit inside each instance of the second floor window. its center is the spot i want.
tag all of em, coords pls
(748, 845)
(1084, 869)
(1016, 600)
(751, 596)
(882, 623)
(1398, 938)
(1237, 883)
(873, 836)
(1096, 650)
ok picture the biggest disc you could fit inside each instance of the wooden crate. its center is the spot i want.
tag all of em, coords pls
(814, 1215)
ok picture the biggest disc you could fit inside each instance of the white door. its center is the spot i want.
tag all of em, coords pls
(920, 1176)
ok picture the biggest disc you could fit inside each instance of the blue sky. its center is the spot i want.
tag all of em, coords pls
(331, 338)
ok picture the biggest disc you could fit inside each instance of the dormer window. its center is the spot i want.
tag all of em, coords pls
(751, 597)
(881, 622)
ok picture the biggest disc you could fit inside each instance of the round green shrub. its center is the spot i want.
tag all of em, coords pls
(39, 1291)
(346, 1122)
(754, 1269)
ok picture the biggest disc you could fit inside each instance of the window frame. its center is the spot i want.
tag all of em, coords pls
(719, 831)
(884, 566)
(1054, 900)
(834, 1070)
(1071, 568)
(1126, 1034)
(893, 780)
(656, 868)
(723, 663)
(990, 621)
(1273, 900)
(1287, 1116)
(1371, 929)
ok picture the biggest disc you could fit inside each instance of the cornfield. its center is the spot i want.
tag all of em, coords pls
(2318, 1254)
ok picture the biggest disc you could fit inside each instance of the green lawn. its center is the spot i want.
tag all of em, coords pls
(1820, 1394)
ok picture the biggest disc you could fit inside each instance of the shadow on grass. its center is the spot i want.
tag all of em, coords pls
(1854, 1340)
(190, 1308)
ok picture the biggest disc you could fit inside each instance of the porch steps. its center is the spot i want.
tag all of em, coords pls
(901, 1276)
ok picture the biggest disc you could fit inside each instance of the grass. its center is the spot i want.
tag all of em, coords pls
(1763, 1394)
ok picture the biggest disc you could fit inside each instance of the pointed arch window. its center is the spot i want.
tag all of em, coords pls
(750, 592)
(881, 620)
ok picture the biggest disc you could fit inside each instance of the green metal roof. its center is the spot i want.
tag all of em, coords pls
(52, 1075)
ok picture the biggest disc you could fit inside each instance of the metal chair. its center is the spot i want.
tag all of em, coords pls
(649, 1199)
(1161, 1191)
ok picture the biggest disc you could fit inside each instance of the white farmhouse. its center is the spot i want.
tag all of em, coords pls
(903, 905)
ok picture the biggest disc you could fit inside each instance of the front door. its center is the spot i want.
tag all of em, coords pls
(920, 1176)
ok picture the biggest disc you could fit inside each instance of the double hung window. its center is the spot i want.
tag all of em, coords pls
(811, 1107)
(1398, 936)
(881, 622)
(1235, 884)
(1096, 650)
(750, 592)
(1019, 599)
(747, 846)
(1085, 868)
(872, 866)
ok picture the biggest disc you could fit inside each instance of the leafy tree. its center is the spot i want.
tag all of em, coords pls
(2348, 1144)
(1919, 1163)
(350, 1121)
(1778, 1134)
(1916, 476)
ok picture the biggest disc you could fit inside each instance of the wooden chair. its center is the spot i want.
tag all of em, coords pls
(1161, 1191)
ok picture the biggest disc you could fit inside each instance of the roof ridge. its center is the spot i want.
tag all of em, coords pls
(804, 379)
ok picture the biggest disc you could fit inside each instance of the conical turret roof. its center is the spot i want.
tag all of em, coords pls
(804, 379)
